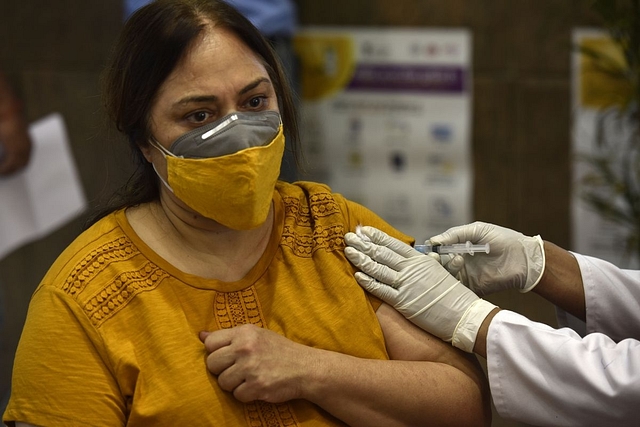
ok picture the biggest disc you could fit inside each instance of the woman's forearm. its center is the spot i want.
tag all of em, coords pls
(364, 392)
(428, 382)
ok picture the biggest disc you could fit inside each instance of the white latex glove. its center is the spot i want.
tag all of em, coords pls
(417, 286)
(453, 263)
(515, 261)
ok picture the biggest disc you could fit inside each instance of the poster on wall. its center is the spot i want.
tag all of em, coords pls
(601, 134)
(386, 116)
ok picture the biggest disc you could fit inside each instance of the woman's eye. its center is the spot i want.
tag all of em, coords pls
(199, 116)
(257, 102)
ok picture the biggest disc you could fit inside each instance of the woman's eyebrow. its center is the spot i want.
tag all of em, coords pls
(196, 99)
(202, 99)
(257, 82)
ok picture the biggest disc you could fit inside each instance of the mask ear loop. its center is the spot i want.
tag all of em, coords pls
(165, 153)
(160, 148)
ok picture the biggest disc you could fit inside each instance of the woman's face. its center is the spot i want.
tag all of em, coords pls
(218, 76)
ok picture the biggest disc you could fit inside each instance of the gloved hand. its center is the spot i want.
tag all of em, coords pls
(417, 286)
(515, 261)
(453, 263)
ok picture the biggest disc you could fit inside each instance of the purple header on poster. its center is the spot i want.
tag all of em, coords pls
(408, 78)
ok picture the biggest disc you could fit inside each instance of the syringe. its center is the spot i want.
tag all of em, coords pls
(456, 248)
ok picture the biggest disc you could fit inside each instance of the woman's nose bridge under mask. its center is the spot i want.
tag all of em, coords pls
(230, 134)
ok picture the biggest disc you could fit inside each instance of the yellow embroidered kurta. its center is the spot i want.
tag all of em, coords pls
(111, 337)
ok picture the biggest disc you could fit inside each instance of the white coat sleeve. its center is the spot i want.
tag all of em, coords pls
(543, 376)
(612, 298)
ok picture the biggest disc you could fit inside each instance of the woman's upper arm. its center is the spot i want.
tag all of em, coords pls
(405, 341)
(57, 344)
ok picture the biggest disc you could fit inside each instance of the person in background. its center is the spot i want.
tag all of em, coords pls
(538, 375)
(15, 142)
(15, 151)
(277, 20)
(210, 293)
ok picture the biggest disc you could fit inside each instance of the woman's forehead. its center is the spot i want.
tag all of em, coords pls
(218, 57)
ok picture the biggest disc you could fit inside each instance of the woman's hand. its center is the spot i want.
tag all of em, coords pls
(257, 364)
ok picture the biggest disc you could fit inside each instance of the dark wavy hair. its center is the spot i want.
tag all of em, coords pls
(152, 43)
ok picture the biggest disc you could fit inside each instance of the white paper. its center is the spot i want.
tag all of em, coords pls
(386, 121)
(46, 194)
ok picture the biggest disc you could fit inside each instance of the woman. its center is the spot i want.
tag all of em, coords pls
(208, 296)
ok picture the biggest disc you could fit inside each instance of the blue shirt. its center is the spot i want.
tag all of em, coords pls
(271, 17)
(130, 6)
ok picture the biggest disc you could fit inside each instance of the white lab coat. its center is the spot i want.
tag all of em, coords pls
(554, 377)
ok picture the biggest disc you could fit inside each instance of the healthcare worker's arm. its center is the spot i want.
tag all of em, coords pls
(537, 374)
(561, 281)
(544, 376)
(591, 289)
(560, 284)
(612, 298)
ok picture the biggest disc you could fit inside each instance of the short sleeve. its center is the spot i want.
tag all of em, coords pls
(61, 375)
(360, 215)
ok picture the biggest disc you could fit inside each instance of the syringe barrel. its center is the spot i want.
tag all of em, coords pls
(425, 249)
(456, 248)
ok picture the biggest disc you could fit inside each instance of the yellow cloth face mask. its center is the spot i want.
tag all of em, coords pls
(234, 189)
